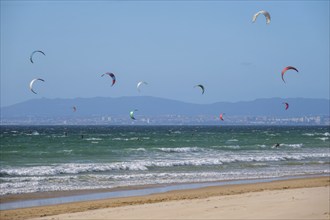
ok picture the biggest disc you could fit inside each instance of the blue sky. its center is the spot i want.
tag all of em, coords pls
(171, 45)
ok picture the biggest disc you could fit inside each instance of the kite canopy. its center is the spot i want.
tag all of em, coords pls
(131, 114)
(32, 82)
(36, 51)
(112, 76)
(221, 116)
(200, 86)
(139, 84)
(265, 13)
(286, 105)
(286, 69)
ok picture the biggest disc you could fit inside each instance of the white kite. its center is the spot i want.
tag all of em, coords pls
(265, 13)
(32, 82)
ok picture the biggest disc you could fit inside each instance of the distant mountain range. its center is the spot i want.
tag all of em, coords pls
(153, 106)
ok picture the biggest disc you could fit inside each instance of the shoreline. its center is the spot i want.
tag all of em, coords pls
(183, 194)
(127, 191)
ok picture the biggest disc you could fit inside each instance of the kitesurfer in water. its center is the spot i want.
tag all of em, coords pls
(276, 145)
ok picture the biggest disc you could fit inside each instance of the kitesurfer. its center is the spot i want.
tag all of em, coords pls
(277, 145)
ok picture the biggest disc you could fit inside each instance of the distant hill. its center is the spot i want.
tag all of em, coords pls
(159, 106)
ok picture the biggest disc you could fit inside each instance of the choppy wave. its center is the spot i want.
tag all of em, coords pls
(72, 168)
(137, 149)
(65, 151)
(93, 139)
(293, 145)
(322, 138)
(273, 135)
(34, 133)
(232, 140)
(232, 147)
(327, 134)
(16, 185)
(262, 145)
(112, 156)
(180, 149)
(126, 139)
(309, 134)
(141, 165)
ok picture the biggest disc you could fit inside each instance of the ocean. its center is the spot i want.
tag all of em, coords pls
(56, 158)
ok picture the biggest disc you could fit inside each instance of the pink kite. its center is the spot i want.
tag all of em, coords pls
(287, 68)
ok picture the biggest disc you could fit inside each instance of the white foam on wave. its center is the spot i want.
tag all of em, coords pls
(65, 151)
(71, 168)
(210, 158)
(234, 147)
(137, 149)
(12, 151)
(93, 139)
(308, 134)
(93, 181)
(75, 168)
(180, 149)
(34, 133)
(322, 138)
(232, 140)
(272, 134)
(293, 145)
(187, 162)
(231, 146)
(262, 145)
(327, 134)
(126, 139)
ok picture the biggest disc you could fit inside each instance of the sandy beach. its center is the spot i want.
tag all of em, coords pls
(306, 198)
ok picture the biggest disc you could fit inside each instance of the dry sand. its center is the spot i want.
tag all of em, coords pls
(289, 199)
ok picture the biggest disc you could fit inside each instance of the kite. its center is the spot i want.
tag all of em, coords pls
(131, 114)
(112, 76)
(202, 87)
(286, 105)
(286, 69)
(32, 82)
(221, 116)
(265, 13)
(36, 51)
(139, 84)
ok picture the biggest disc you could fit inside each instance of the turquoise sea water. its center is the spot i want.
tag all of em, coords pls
(48, 158)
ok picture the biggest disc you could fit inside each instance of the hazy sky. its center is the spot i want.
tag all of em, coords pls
(171, 45)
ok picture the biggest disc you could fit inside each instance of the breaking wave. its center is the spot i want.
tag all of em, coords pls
(180, 149)
(142, 165)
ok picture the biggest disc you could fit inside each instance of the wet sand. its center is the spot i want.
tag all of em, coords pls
(295, 198)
